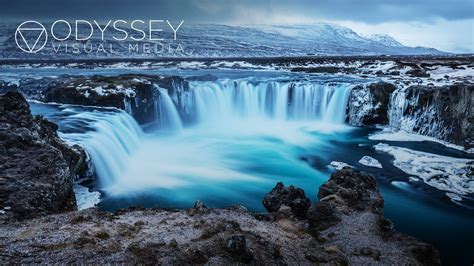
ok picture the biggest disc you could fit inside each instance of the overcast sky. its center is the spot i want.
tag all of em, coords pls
(443, 24)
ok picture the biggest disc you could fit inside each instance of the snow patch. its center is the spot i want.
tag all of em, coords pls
(99, 90)
(442, 172)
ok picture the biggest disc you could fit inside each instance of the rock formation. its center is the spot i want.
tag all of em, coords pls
(345, 226)
(37, 168)
(281, 197)
(368, 104)
(444, 112)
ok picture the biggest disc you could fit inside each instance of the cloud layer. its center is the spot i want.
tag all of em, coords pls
(367, 11)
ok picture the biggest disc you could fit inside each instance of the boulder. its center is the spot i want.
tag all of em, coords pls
(352, 190)
(37, 167)
(350, 207)
(347, 190)
(291, 196)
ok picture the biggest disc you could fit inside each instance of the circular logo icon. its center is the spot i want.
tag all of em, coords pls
(31, 36)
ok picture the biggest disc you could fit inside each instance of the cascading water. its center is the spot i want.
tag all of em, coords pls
(111, 139)
(336, 109)
(213, 102)
(168, 116)
(222, 109)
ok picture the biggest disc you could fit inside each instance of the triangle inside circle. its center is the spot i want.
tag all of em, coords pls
(31, 37)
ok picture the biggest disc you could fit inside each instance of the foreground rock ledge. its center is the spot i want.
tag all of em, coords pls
(36, 166)
(345, 226)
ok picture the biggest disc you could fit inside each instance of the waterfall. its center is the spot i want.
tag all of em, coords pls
(110, 140)
(211, 102)
(168, 116)
(336, 110)
(396, 108)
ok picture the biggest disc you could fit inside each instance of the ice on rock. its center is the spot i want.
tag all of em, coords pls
(369, 161)
(99, 90)
(85, 199)
(442, 172)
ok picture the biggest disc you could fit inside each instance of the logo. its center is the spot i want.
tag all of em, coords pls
(85, 37)
(31, 36)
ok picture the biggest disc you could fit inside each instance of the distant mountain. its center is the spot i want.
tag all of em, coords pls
(384, 39)
(208, 40)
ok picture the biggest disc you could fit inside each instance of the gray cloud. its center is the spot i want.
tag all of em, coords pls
(208, 11)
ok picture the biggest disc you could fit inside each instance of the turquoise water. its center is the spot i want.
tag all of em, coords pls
(238, 166)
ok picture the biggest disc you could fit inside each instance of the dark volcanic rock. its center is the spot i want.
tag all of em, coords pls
(355, 190)
(323, 215)
(418, 72)
(368, 104)
(349, 215)
(236, 245)
(7, 87)
(36, 167)
(292, 197)
(346, 191)
(445, 112)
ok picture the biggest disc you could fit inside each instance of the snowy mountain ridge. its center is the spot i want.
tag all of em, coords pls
(224, 41)
(384, 39)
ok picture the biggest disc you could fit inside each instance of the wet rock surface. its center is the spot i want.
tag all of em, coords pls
(292, 197)
(445, 112)
(369, 104)
(37, 167)
(201, 235)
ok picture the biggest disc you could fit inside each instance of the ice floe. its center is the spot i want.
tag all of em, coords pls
(86, 199)
(338, 165)
(401, 135)
(444, 173)
(371, 162)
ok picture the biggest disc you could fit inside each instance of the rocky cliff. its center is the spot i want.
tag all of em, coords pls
(445, 112)
(369, 103)
(37, 167)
